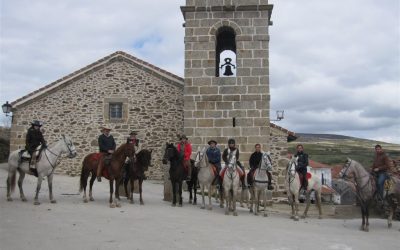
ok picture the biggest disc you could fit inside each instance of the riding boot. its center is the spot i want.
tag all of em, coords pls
(270, 187)
(305, 183)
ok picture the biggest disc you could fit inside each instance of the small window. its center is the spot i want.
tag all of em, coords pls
(115, 110)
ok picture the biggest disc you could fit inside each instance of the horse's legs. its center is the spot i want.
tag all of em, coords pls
(203, 202)
(173, 193)
(363, 216)
(112, 204)
(92, 179)
(210, 193)
(265, 202)
(194, 180)
(84, 176)
(38, 186)
(132, 189)
(20, 181)
(190, 186)
(180, 194)
(50, 184)
(227, 198)
(10, 183)
(366, 229)
(252, 199)
(140, 190)
(234, 197)
(308, 204)
(117, 199)
(318, 200)
(125, 182)
(296, 206)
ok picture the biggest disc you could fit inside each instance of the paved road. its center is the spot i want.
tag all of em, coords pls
(72, 224)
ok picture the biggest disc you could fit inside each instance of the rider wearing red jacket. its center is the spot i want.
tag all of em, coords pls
(185, 151)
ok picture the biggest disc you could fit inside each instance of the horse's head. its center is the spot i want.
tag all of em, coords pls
(144, 158)
(68, 146)
(292, 165)
(169, 153)
(232, 163)
(129, 150)
(347, 169)
(201, 157)
(266, 162)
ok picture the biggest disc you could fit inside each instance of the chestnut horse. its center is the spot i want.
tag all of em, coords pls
(111, 172)
(135, 171)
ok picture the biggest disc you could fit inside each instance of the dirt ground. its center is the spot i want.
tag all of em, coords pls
(72, 224)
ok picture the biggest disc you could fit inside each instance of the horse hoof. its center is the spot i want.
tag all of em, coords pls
(221, 206)
(24, 199)
(210, 208)
(390, 225)
(91, 199)
(36, 203)
(112, 205)
(173, 204)
(241, 205)
(118, 205)
(9, 199)
(296, 218)
(194, 203)
(141, 203)
(202, 207)
(235, 214)
(303, 216)
(53, 201)
(179, 205)
(85, 200)
(292, 217)
(256, 214)
(366, 229)
(265, 215)
(190, 201)
(131, 201)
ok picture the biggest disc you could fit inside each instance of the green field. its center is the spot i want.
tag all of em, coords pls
(334, 151)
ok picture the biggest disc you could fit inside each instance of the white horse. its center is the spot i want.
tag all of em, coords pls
(260, 184)
(45, 167)
(366, 188)
(205, 176)
(292, 183)
(231, 184)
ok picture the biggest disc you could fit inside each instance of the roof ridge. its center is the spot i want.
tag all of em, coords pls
(91, 65)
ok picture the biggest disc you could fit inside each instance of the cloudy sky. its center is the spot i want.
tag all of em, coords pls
(334, 65)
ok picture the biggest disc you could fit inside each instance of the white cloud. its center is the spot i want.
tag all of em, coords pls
(335, 65)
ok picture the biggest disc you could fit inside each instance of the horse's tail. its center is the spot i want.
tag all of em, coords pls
(82, 177)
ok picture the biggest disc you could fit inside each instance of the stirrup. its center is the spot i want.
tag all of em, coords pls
(98, 178)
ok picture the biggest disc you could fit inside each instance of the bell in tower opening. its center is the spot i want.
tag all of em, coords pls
(227, 63)
(226, 52)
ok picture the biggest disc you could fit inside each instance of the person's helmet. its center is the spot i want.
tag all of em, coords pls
(231, 141)
(183, 137)
(36, 123)
(133, 133)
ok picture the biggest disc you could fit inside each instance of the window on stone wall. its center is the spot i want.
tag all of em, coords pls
(225, 52)
(115, 110)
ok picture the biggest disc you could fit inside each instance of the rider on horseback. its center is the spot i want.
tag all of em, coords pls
(229, 153)
(302, 163)
(34, 138)
(185, 150)
(106, 147)
(254, 162)
(380, 168)
(214, 157)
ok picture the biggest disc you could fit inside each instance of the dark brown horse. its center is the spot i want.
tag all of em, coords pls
(135, 171)
(192, 184)
(111, 172)
(176, 171)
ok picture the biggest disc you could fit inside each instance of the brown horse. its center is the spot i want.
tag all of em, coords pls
(111, 172)
(135, 171)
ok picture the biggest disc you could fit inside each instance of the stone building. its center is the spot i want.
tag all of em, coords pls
(120, 91)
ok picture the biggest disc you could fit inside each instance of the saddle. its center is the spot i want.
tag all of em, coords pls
(238, 171)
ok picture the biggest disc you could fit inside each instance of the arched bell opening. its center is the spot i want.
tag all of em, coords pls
(225, 52)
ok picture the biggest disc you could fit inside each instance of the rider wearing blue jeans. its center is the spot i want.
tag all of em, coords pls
(380, 167)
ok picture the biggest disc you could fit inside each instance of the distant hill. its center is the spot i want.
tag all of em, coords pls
(334, 149)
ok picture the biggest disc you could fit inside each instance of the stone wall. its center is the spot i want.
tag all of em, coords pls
(212, 102)
(152, 105)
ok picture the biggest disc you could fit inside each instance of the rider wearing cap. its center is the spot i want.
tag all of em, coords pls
(106, 147)
(34, 138)
(185, 150)
(214, 157)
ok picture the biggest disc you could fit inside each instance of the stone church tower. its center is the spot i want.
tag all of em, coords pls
(226, 92)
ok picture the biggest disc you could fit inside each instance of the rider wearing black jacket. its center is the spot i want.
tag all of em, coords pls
(302, 163)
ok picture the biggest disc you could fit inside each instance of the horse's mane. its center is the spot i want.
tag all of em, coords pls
(119, 150)
(141, 156)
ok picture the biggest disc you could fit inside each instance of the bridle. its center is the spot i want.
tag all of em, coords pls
(58, 155)
(200, 155)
